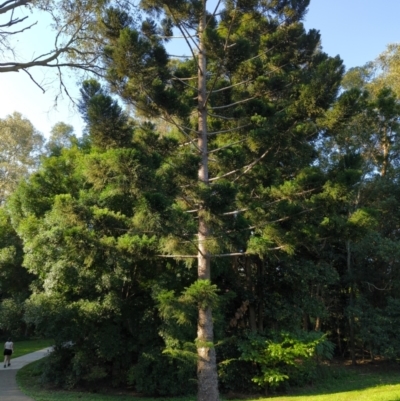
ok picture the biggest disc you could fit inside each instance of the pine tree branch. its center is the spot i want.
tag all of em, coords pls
(221, 61)
(185, 27)
(232, 86)
(185, 79)
(235, 212)
(251, 165)
(222, 117)
(177, 56)
(234, 104)
(228, 130)
(213, 14)
(248, 80)
(177, 37)
(224, 255)
(247, 168)
(184, 83)
(178, 256)
(183, 34)
(225, 175)
(188, 143)
(171, 120)
(227, 146)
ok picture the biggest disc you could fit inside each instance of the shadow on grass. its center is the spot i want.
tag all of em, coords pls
(28, 380)
(332, 380)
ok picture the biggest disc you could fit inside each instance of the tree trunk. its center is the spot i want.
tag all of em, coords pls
(306, 322)
(260, 294)
(317, 326)
(318, 295)
(206, 364)
(339, 340)
(385, 157)
(351, 303)
(250, 288)
(385, 152)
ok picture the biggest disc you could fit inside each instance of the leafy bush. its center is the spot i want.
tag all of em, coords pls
(284, 356)
(55, 370)
(378, 327)
(156, 374)
(234, 373)
(11, 317)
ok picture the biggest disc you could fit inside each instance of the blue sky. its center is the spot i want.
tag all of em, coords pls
(357, 30)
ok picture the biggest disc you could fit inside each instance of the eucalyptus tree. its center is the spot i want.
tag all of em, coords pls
(71, 40)
(61, 136)
(19, 155)
(244, 102)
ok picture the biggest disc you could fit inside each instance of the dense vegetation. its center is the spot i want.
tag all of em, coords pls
(363, 382)
(245, 217)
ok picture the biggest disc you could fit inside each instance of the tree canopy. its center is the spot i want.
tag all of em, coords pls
(239, 216)
(20, 151)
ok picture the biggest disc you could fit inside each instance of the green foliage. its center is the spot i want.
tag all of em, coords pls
(20, 152)
(201, 293)
(344, 384)
(107, 124)
(61, 136)
(159, 375)
(14, 278)
(303, 194)
(11, 317)
(180, 314)
(89, 219)
(279, 357)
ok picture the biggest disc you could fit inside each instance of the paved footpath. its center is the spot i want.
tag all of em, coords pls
(9, 390)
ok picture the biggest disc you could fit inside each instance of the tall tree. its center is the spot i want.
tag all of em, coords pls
(100, 207)
(61, 136)
(19, 155)
(244, 103)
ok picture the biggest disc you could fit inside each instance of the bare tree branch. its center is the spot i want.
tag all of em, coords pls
(12, 5)
(30, 76)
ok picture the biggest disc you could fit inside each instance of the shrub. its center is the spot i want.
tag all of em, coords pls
(281, 357)
(156, 374)
(11, 317)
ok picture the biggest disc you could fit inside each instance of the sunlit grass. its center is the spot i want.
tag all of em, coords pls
(353, 385)
(28, 346)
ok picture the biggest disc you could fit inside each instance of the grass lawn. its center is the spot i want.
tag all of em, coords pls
(28, 346)
(377, 382)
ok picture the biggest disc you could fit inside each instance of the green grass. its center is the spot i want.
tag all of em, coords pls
(28, 381)
(382, 383)
(28, 346)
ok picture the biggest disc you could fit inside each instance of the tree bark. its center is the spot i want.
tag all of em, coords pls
(206, 364)
(250, 288)
(351, 303)
(385, 157)
(260, 294)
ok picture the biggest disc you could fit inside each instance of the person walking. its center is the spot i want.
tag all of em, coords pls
(8, 350)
